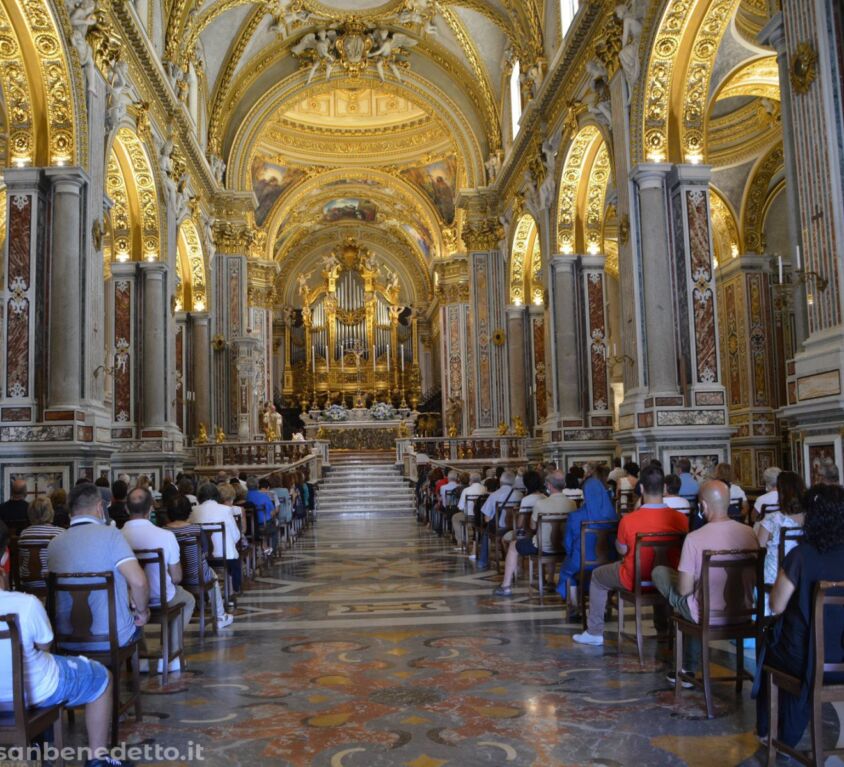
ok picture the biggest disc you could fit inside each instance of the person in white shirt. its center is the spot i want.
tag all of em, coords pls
(617, 472)
(466, 507)
(738, 498)
(141, 534)
(770, 497)
(672, 498)
(49, 680)
(211, 511)
(505, 495)
(448, 487)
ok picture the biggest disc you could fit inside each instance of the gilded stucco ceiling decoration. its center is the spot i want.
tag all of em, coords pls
(751, 17)
(757, 77)
(592, 210)
(756, 197)
(143, 185)
(743, 133)
(678, 78)
(190, 247)
(121, 224)
(726, 238)
(520, 249)
(573, 192)
(34, 72)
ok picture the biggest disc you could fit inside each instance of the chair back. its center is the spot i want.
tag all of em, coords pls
(604, 534)
(787, 535)
(510, 511)
(625, 501)
(13, 634)
(652, 550)
(217, 533)
(32, 564)
(452, 497)
(250, 519)
(79, 626)
(190, 550)
(737, 574)
(828, 594)
(734, 511)
(469, 503)
(152, 560)
(550, 532)
(767, 508)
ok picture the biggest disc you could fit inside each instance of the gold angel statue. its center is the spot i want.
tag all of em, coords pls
(219, 435)
(202, 436)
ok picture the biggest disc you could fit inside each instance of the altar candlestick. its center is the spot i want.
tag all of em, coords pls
(374, 355)
(779, 266)
(402, 358)
(388, 358)
(797, 260)
(313, 358)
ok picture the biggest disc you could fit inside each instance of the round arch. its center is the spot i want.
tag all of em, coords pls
(191, 267)
(41, 90)
(525, 257)
(727, 241)
(756, 195)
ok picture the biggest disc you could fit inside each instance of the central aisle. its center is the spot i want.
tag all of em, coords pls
(374, 643)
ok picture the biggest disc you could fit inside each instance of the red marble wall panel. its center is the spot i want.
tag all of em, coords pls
(597, 347)
(760, 353)
(18, 307)
(122, 351)
(180, 377)
(703, 294)
(540, 383)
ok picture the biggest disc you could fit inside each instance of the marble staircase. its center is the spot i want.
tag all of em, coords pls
(364, 483)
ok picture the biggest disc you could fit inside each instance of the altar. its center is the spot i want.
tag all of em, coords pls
(359, 428)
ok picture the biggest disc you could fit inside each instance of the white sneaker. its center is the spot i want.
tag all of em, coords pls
(226, 620)
(587, 638)
(174, 665)
(143, 665)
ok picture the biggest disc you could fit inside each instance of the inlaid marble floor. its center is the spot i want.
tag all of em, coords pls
(374, 644)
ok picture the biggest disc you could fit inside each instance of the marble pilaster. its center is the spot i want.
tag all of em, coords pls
(246, 350)
(201, 370)
(154, 368)
(518, 361)
(456, 353)
(564, 322)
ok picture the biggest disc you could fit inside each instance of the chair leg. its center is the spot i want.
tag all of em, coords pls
(640, 638)
(739, 664)
(817, 733)
(620, 624)
(678, 660)
(707, 678)
(201, 615)
(115, 702)
(58, 738)
(773, 718)
(135, 661)
(165, 648)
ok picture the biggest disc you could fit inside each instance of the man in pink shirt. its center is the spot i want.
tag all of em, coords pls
(683, 587)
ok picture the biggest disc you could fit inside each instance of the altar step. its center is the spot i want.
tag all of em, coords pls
(364, 484)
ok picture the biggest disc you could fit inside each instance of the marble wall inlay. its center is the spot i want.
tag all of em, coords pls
(18, 306)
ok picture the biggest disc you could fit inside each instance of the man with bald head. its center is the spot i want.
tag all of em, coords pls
(14, 511)
(682, 587)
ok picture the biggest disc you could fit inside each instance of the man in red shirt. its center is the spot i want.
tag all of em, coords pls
(653, 516)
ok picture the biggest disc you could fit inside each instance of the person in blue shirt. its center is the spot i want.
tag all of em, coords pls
(597, 507)
(688, 484)
(264, 511)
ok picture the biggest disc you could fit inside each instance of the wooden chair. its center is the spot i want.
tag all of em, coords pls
(219, 529)
(734, 512)
(195, 582)
(742, 572)
(497, 531)
(787, 535)
(26, 721)
(643, 593)
(625, 501)
(605, 534)
(550, 533)
(452, 497)
(249, 554)
(28, 562)
(766, 508)
(79, 588)
(469, 520)
(163, 614)
(828, 594)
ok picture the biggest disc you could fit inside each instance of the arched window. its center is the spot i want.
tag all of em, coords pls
(568, 10)
(515, 99)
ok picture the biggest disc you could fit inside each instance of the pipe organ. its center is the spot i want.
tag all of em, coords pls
(351, 335)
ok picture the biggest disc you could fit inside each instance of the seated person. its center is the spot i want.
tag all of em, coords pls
(683, 587)
(212, 511)
(573, 489)
(652, 517)
(689, 486)
(506, 494)
(117, 508)
(91, 545)
(672, 498)
(445, 488)
(465, 510)
(790, 516)
(41, 529)
(140, 533)
(265, 512)
(195, 556)
(790, 646)
(50, 680)
(61, 516)
(597, 507)
(770, 497)
(14, 511)
(738, 498)
(532, 486)
(555, 503)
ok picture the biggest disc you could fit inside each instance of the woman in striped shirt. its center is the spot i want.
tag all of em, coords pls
(41, 530)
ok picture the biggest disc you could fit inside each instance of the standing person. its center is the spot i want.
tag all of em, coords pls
(14, 512)
(653, 516)
(789, 646)
(140, 533)
(51, 680)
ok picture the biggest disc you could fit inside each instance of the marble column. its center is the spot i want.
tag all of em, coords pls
(538, 367)
(67, 294)
(200, 351)
(246, 349)
(518, 362)
(660, 348)
(457, 367)
(155, 368)
(595, 340)
(773, 34)
(563, 302)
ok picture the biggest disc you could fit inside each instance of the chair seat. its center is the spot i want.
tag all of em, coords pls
(37, 719)
(788, 682)
(649, 596)
(716, 632)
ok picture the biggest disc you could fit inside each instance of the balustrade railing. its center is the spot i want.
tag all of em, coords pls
(259, 454)
(451, 449)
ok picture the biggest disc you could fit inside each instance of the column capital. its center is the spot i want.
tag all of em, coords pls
(66, 179)
(24, 176)
(199, 318)
(515, 311)
(650, 175)
(593, 262)
(536, 310)
(560, 261)
(773, 33)
(123, 269)
(690, 173)
(152, 269)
